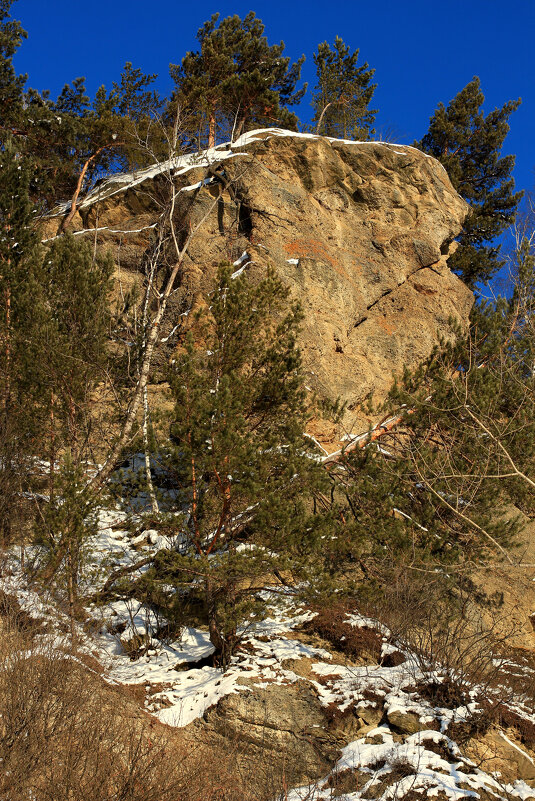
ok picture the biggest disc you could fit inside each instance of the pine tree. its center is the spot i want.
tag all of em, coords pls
(237, 80)
(240, 468)
(431, 498)
(133, 98)
(468, 143)
(21, 312)
(65, 531)
(343, 93)
(76, 287)
(11, 84)
(472, 431)
(73, 140)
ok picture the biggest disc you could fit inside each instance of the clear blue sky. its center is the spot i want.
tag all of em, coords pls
(423, 52)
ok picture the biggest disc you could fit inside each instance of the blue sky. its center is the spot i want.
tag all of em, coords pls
(423, 52)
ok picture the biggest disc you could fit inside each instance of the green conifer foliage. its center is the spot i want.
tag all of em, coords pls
(76, 287)
(74, 336)
(471, 447)
(11, 84)
(240, 467)
(468, 143)
(237, 80)
(21, 314)
(73, 140)
(343, 93)
(65, 530)
(430, 494)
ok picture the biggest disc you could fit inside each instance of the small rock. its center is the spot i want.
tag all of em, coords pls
(405, 722)
(371, 715)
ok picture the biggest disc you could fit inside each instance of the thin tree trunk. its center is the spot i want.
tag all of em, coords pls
(71, 591)
(8, 354)
(150, 486)
(318, 126)
(239, 128)
(52, 452)
(152, 339)
(7, 461)
(211, 610)
(72, 211)
(145, 322)
(211, 129)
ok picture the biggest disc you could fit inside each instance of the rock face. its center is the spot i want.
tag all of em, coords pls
(360, 232)
(285, 724)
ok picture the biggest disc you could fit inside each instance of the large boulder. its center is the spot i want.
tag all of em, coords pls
(360, 232)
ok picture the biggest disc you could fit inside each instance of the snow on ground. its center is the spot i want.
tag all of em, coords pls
(393, 687)
(189, 691)
(412, 765)
(180, 683)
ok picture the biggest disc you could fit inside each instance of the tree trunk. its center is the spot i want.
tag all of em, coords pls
(71, 591)
(150, 486)
(211, 129)
(223, 642)
(72, 211)
(216, 637)
(239, 128)
(52, 452)
(151, 341)
(8, 355)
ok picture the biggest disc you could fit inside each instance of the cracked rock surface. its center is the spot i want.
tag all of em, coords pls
(360, 232)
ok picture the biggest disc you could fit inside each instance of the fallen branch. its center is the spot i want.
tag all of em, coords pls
(124, 571)
(364, 439)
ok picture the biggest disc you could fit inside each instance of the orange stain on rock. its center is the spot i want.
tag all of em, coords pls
(389, 328)
(310, 249)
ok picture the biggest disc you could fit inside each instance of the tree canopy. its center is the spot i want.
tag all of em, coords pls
(468, 143)
(236, 80)
(343, 93)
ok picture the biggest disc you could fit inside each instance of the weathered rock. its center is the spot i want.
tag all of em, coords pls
(360, 232)
(285, 723)
(371, 715)
(405, 722)
(504, 753)
(515, 754)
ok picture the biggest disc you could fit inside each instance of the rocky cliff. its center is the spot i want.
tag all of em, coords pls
(360, 231)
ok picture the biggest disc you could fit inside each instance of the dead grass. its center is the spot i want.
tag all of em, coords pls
(66, 735)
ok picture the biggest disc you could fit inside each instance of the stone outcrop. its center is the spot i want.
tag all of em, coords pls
(360, 232)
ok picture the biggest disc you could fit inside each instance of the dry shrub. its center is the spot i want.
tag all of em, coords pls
(400, 768)
(525, 728)
(229, 775)
(61, 739)
(17, 619)
(490, 715)
(343, 782)
(455, 647)
(331, 624)
(65, 735)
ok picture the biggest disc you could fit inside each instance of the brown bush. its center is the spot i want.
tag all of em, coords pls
(331, 624)
(65, 735)
(62, 740)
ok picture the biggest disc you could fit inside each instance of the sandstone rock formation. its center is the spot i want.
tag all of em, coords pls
(361, 233)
